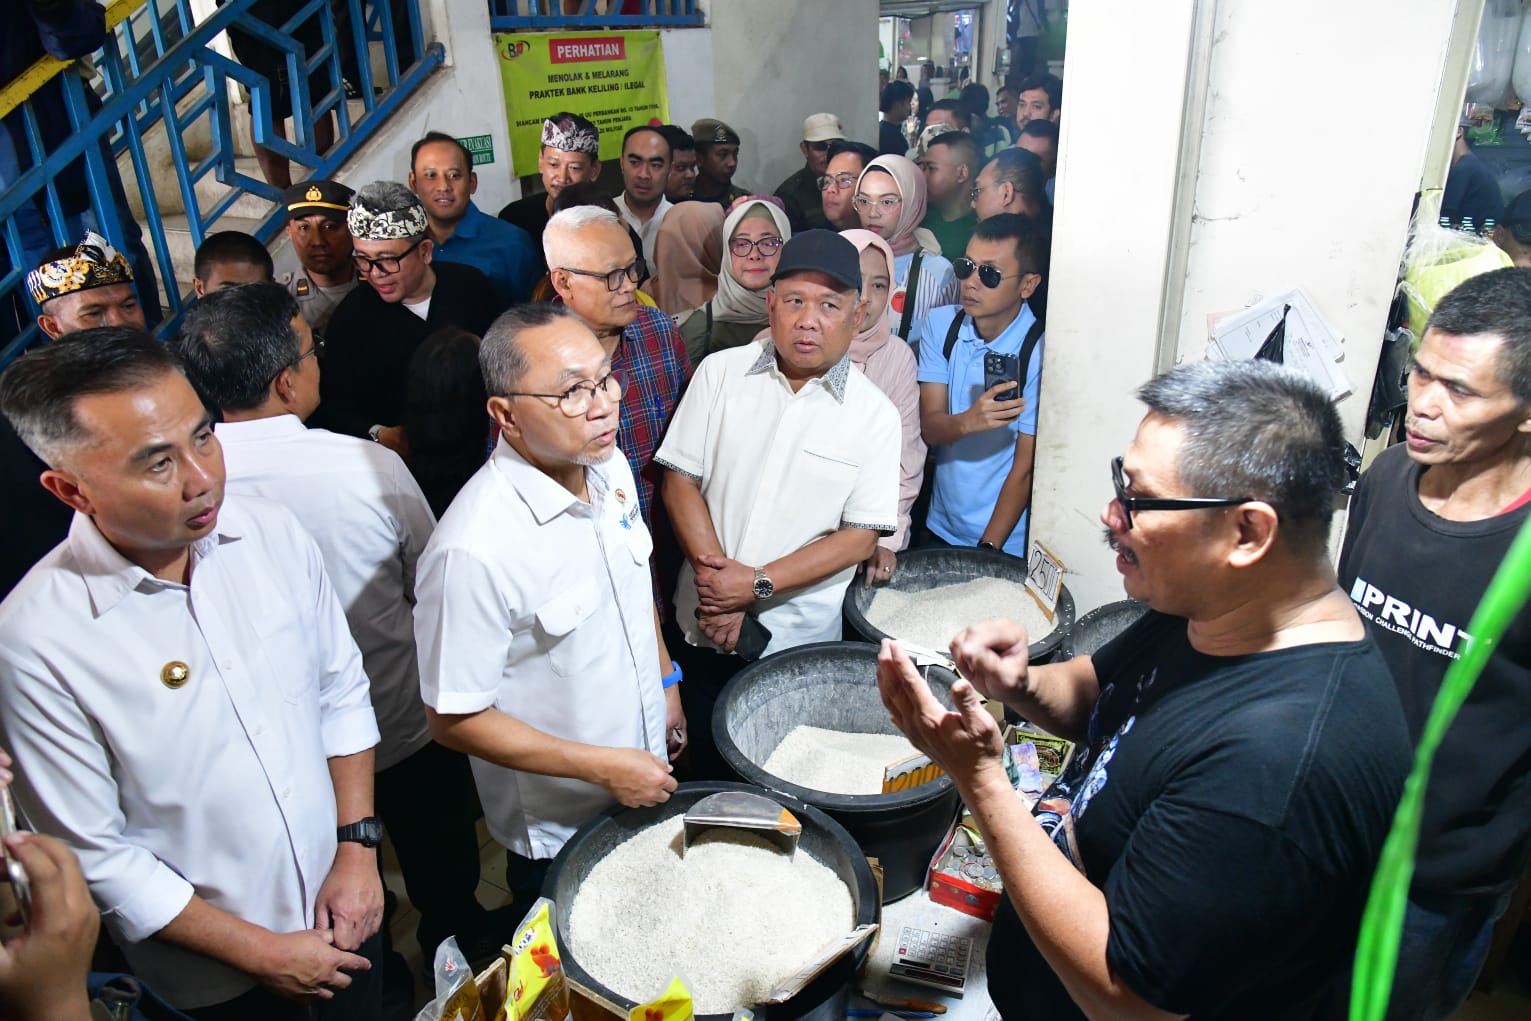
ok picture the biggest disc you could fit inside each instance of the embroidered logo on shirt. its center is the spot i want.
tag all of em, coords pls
(624, 516)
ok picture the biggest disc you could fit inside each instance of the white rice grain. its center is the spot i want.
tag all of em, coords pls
(836, 762)
(732, 917)
(934, 617)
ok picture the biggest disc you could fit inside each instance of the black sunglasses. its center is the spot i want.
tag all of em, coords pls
(989, 276)
(1143, 503)
(820, 146)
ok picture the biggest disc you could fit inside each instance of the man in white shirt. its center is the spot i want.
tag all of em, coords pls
(250, 354)
(783, 470)
(539, 648)
(645, 171)
(187, 708)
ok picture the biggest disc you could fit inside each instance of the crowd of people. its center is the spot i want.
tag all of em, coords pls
(484, 511)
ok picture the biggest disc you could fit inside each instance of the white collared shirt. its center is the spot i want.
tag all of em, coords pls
(779, 470)
(538, 604)
(371, 521)
(220, 787)
(647, 232)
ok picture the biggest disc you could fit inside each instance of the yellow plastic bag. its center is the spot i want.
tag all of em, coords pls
(674, 1004)
(536, 990)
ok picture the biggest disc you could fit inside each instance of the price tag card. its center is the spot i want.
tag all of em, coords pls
(1044, 577)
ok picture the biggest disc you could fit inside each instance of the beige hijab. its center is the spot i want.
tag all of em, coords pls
(734, 302)
(910, 181)
(689, 253)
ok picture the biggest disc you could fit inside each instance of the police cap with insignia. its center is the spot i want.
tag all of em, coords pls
(325, 198)
(711, 131)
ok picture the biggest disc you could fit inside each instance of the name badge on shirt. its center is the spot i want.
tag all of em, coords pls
(625, 516)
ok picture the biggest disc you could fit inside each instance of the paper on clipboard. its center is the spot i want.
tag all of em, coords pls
(1312, 345)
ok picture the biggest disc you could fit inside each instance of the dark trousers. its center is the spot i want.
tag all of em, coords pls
(426, 803)
(362, 1000)
(1442, 950)
(706, 672)
(524, 878)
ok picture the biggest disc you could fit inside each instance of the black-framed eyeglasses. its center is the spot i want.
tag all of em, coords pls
(387, 263)
(575, 401)
(634, 271)
(989, 276)
(839, 182)
(768, 246)
(974, 192)
(1143, 503)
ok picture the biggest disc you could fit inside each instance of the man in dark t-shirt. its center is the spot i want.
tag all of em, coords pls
(1472, 191)
(1241, 747)
(1429, 525)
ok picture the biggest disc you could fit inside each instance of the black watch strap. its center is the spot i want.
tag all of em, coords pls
(368, 832)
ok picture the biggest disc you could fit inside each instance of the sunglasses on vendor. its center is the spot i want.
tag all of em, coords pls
(989, 276)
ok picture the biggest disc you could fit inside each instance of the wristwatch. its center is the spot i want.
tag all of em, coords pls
(986, 544)
(374, 434)
(367, 832)
(763, 587)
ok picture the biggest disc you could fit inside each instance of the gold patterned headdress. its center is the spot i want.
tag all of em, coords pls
(93, 263)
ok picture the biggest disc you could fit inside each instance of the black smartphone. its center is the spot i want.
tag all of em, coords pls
(1000, 368)
(753, 639)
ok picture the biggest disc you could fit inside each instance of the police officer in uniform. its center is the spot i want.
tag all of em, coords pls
(316, 225)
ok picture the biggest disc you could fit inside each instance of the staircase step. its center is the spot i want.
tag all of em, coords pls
(210, 191)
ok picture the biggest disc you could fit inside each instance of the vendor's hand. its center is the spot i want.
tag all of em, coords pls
(721, 629)
(350, 902)
(966, 743)
(42, 970)
(674, 722)
(995, 656)
(305, 965)
(988, 412)
(723, 585)
(636, 778)
(878, 568)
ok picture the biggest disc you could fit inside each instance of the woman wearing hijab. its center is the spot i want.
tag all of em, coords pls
(754, 231)
(890, 202)
(689, 251)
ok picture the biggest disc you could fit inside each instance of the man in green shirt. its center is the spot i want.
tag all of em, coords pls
(950, 163)
(800, 192)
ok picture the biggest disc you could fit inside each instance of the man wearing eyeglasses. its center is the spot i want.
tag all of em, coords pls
(250, 354)
(377, 328)
(1011, 182)
(540, 653)
(800, 192)
(1240, 748)
(982, 435)
(837, 188)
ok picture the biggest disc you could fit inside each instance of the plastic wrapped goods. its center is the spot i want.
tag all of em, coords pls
(1494, 55)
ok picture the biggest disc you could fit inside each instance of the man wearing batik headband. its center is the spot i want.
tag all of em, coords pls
(76, 288)
(84, 286)
(377, 328)
(570, 153)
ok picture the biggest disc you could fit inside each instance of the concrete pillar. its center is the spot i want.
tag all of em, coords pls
(1243, 166)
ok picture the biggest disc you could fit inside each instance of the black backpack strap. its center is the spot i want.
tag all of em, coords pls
(911, 289)
(707, 331)
(1023, 364)
(951, 334)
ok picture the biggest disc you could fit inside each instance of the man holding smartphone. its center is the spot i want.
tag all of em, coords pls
(973, 359)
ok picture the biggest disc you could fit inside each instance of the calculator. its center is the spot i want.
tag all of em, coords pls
(932, 959)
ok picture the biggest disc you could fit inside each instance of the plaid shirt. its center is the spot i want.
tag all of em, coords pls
(655, 369)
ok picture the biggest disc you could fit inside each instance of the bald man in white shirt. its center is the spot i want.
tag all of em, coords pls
(186, 705)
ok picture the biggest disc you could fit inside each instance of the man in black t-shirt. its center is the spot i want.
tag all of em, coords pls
(1429, 525)
(1242, 749)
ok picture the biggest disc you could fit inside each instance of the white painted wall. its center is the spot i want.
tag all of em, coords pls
(688, 73)
(775, 63)
(1290, 189)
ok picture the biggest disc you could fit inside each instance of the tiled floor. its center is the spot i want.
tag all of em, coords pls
(491, 893)
(1510, 999)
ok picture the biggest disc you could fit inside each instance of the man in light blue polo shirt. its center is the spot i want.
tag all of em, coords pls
(984, 446)
(441, 174)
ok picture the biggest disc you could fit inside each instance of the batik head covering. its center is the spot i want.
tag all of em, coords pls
(907, 232)
(386, 211)
(572, 133)
(734, 302)
(877, 332)
(688, 251)
(93, 263)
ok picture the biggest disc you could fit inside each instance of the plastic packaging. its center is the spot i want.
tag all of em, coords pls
(457, 996)
(674, 1004)
(537, 989)
(1438, 258)
(1520, 78)
(1494, 55)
